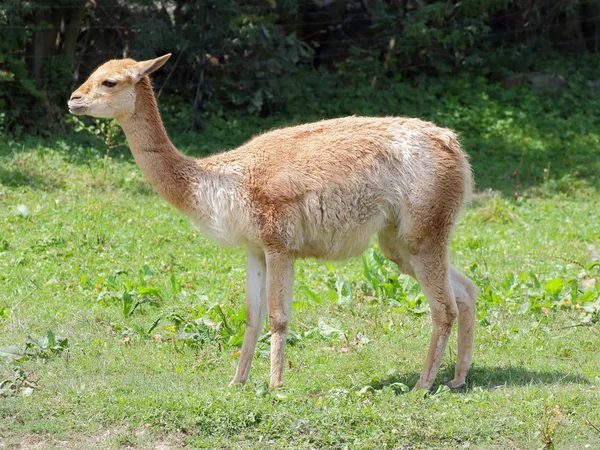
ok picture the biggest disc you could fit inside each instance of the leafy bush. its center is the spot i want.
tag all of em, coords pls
(259, 57)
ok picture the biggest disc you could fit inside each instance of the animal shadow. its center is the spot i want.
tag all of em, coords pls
(483, 377)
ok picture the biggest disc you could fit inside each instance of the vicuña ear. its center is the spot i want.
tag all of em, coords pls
(142, 68)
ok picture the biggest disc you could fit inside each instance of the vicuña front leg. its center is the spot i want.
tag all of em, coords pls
(256, 310)
(432, 271)
(280, 280)
(465, 293)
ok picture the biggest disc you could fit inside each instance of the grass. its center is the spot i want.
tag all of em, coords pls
(146, 317)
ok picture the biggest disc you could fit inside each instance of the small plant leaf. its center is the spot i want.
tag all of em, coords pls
(23, 210)
(26, 392)
(366, 390)
(51, 339)
(442, 391)
(127, 303)
(329, 331)
(399, 388)
(554, 286)
(11, 351)
(311, 295)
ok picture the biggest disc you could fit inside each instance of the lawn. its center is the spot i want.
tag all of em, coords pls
(120, 325)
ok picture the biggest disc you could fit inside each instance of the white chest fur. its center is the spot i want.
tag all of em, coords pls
(219, 211)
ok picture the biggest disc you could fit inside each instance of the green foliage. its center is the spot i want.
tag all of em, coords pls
(218, 324)
(268, 55)
(383, 283)
(380, 284)
(130, 293)
(108, 132)
(268, 58)
(18, 382)
(37, 59)
(47, 346)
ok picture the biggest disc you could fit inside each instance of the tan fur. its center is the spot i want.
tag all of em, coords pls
(316, 190)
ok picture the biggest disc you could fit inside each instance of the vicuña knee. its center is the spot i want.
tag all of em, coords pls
(278, 323)
(444, 316)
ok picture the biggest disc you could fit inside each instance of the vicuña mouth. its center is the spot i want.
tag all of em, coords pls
(77, 108)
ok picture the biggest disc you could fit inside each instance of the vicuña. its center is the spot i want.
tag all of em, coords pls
(318, 190)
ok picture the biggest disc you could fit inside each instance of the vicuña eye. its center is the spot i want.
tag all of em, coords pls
(109, 83)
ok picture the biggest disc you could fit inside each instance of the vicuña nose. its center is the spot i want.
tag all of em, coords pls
(75, 96)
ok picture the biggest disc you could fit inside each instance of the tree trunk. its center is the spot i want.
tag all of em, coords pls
(46, 28)
(71, 24)
(576, 41)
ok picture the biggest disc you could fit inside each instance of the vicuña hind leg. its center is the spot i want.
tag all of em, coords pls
(465, 296)
(433, 274)
(465, 293)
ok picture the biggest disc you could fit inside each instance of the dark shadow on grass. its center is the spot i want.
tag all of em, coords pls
(486, 378)
(28, 176)
(499, 166)
(493, 377)
(90, 151)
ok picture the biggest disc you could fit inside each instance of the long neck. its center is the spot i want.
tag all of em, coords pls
(170, 172)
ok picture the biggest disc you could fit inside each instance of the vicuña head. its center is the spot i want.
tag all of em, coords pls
(110, 92)
(317, 190)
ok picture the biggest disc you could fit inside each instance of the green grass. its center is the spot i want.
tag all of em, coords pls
(153, 316)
